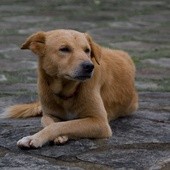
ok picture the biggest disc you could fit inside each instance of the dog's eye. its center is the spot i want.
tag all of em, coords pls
(87, 50)
(65, 49)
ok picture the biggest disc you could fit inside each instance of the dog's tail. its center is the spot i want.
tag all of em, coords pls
(22, 111)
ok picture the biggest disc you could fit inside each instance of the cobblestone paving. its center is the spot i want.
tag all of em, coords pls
(140, 27)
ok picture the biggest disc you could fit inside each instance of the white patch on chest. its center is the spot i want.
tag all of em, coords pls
(70, 116)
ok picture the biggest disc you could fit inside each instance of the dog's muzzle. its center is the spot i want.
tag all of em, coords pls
(87, 67)
(86, 70)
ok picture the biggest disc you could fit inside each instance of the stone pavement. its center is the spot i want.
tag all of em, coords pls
(140, 27)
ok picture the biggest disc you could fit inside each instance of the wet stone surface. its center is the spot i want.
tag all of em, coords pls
(142, 29)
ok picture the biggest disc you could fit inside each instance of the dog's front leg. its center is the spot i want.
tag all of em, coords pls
(82, 128)
(46, 120)
(92, 123)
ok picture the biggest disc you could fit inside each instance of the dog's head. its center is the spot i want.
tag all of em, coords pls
(65, 53)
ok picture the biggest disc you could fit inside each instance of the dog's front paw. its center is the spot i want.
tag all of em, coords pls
(61, 140)
(29, 142)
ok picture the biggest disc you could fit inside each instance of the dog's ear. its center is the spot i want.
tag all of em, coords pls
(95, 49)
(36, 43)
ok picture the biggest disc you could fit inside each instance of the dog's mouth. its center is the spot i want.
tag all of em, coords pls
(79, 77)
(82, 78)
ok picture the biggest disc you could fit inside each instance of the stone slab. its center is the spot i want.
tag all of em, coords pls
(162, 62)
(12, 161)
(126, 158)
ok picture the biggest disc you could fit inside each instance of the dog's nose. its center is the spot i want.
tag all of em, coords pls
(87, 67)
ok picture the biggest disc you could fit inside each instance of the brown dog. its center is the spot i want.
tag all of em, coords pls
(81, 85)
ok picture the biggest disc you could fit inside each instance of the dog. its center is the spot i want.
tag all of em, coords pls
(81, 87)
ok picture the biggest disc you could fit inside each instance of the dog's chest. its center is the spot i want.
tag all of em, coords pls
(69, 116)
